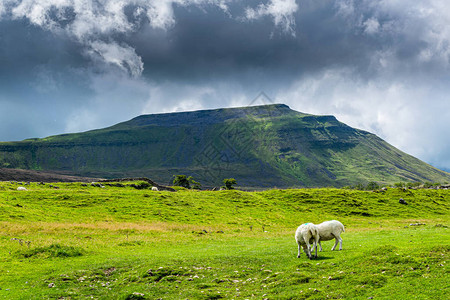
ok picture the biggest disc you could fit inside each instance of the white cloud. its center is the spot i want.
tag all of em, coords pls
(422, 25)
(88, 22)
(81, 119)
(429, 22)
(122, 56)
(345, 8)
(160, 14)
(282, 12)
(2, 8)
(403, 113)
(91, 22)
(174, 97)
(371, 26)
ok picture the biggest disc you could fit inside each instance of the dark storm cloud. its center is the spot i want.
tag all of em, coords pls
(175, 38)
(210, 42)
(207, 41)
(35, 69)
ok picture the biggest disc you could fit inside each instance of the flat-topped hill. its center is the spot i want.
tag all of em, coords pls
(259, 146)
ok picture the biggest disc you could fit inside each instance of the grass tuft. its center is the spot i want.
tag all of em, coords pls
(54, 250)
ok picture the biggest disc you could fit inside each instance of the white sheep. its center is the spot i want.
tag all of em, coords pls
(154, 188)
(303, 235)
(21, 188)
(329, 230)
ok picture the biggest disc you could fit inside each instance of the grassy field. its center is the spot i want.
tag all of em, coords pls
(85, 242)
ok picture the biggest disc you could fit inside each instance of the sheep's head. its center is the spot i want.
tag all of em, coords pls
(307, 251)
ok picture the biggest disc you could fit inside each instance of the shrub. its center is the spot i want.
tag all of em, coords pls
(413, 184)
(229, 182)
(428, 184)
(186, 182)
(372, 186)
(359, 186)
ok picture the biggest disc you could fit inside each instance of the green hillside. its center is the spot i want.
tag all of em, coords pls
(261, 146)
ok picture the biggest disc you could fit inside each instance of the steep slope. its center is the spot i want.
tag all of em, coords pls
(261, 146)
(39, 176)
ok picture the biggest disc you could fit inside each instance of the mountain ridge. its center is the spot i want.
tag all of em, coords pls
(260, 146)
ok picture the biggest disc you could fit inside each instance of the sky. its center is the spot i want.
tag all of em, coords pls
(378, 65)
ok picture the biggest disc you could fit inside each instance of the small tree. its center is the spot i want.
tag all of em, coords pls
(371, 186)
(399, 184)
(229, 182)
(184, 181)
(359, 186)
(195, 184)
(181, 180)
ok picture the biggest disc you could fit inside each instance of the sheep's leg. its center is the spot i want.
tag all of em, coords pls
(320, 245)
(336, 241)
(299, 250)
(315, 245)
(340, 243)
(308, 249)
(335, 244)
